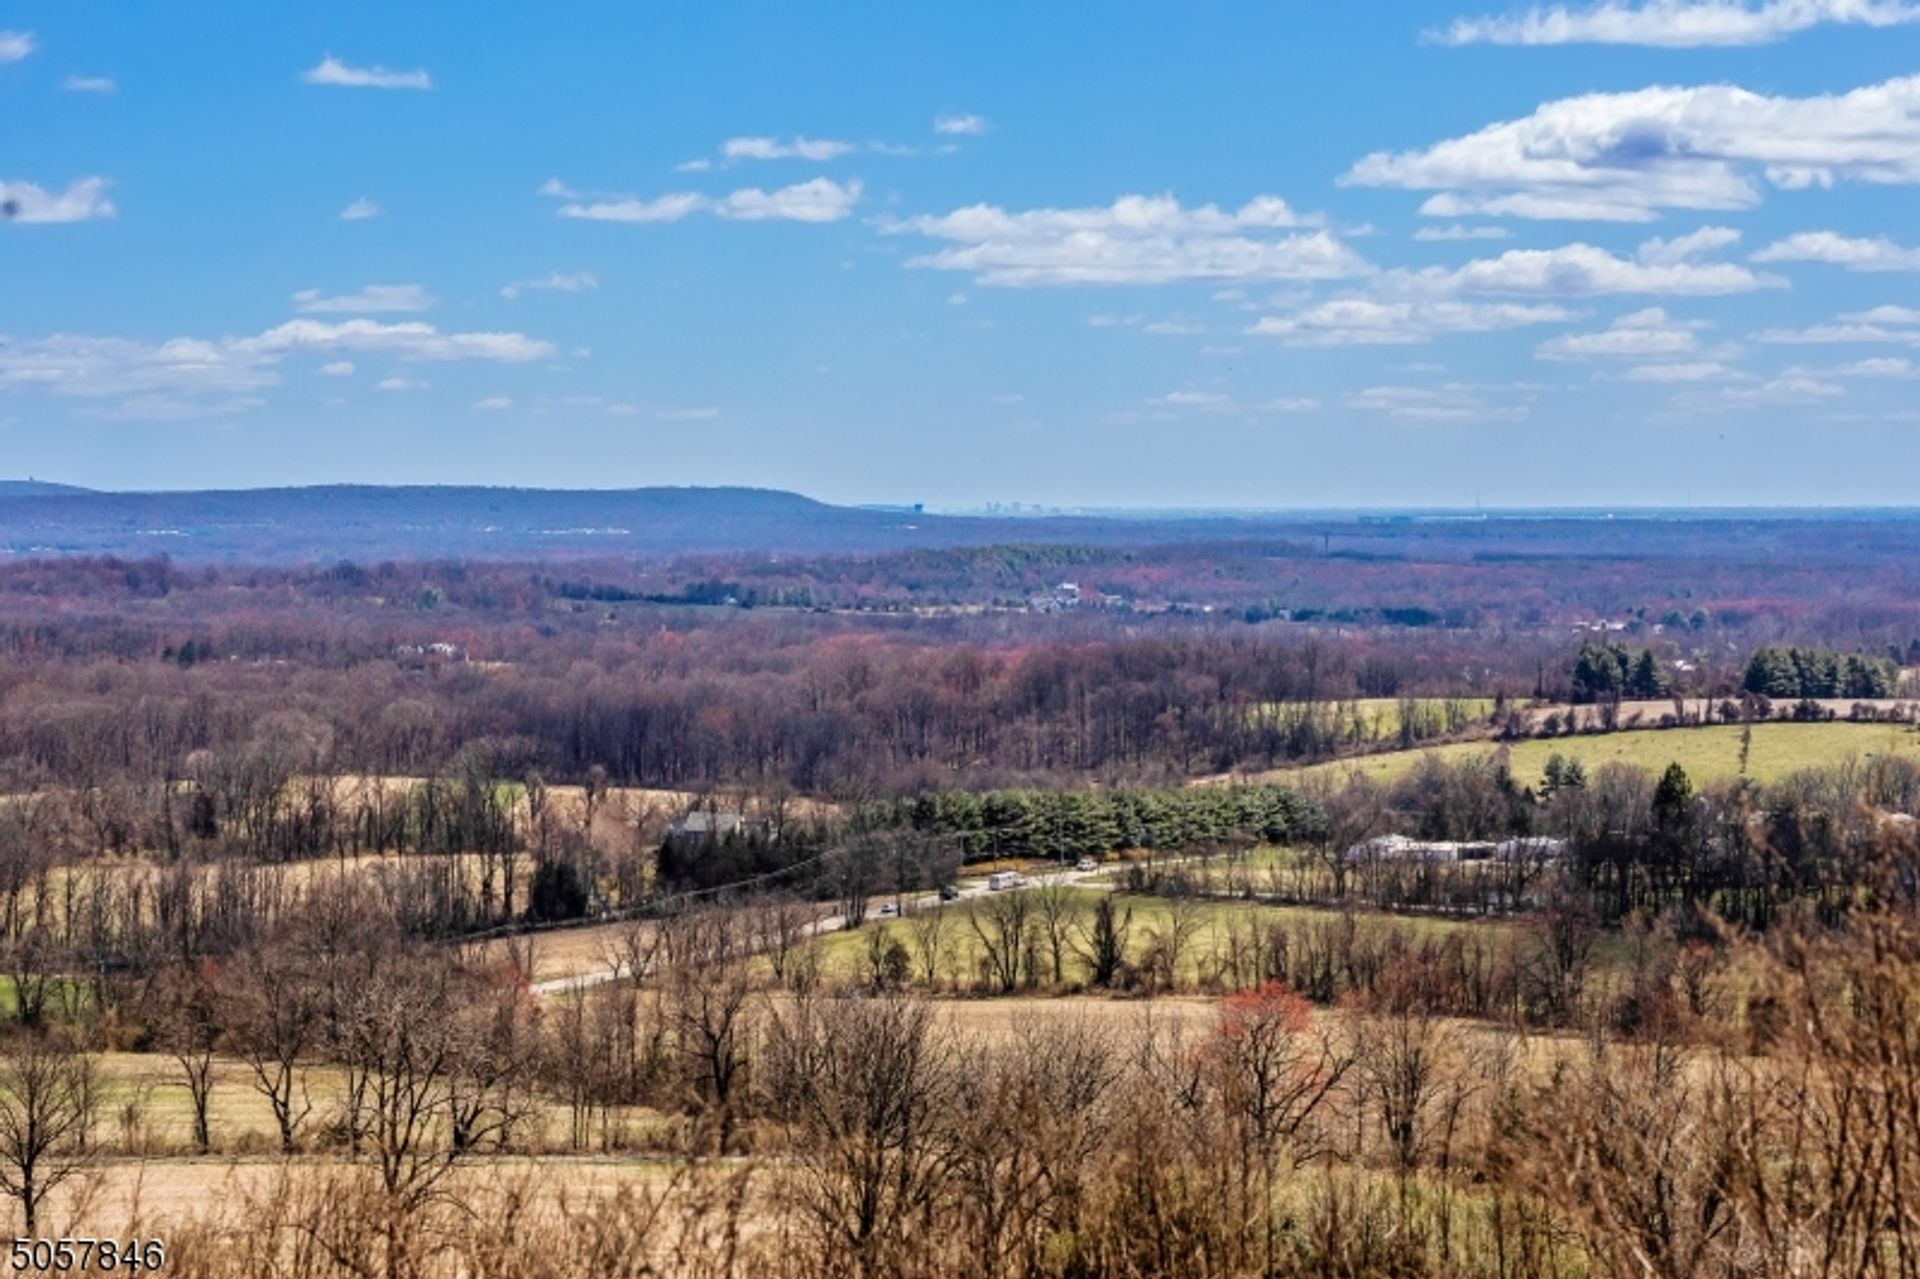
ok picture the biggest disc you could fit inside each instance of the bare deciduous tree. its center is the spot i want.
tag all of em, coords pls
(47, 1098)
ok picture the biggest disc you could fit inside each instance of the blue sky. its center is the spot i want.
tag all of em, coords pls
(1263, 254)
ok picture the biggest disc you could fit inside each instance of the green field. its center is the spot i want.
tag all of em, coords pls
(842, 955)
(1709, 754)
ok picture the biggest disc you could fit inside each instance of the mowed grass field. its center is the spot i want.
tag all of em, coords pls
(843, 956)
(1709, 754)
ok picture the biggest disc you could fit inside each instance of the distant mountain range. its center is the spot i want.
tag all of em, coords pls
(37, 488)
(369, 523)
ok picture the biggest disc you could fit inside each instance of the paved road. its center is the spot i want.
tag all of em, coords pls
(969, 887)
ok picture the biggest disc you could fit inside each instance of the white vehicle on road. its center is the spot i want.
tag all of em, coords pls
(1001, 880)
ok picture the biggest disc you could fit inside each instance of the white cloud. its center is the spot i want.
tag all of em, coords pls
(1209, 401)
(1581, 270)
(1794, 388)
(397, 383)
(1301, 404)
(1361, 321)
(184, 377)
(666, 208)
(622, 410)
(1884, 315)
(1173, 328)
(700, 414)
(1135, 240)
(494, 402)
(408, 340)
(1883, 366)
(558, 190)
(82, 201)
(960, 125)
(552, 282)
(700, 165)
(1675, 23)
(820, 200)
(373, 298)
(817, 201)
(15, 46)
(1898, 325)
(1457, 233)
(1648, 334)
(1627, 156)
(817, 149)
(88, 84)
(1878, 254)
(71, 364)
(1694, 371)
(332, 71)
(1450, 402)
(360, 210)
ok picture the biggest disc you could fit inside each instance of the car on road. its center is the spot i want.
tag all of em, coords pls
(1086, 864)
(889, 908)
(949, 893)
(1001, 880)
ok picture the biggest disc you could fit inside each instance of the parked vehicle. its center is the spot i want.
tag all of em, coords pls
(1001, 880)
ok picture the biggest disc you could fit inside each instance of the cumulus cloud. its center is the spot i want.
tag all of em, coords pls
(1884, 315)
(1359, 321)
(494, 403)
(82, 201)
(1879, 367)
(960, 125)
(1457, 233)
(1643, 335)
(373, 298)
(552, 282)
(1691, 371)
(15, 46)
(1794, 388)
(360, 210)
(407, 340)
(332, 71)
(1135, 240)
(1855, 254)
(816, 149)
(558, 190)
(1211, 401)
(666, 208)
(88, 84)
(1886, 324)
(1660, 267)
(1451, 402)
(817, 201)
(398, 383)
(1628, 156)
(820, 200)
(1674, 24)
(199, 375)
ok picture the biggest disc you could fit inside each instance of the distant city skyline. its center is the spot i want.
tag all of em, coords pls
(1253, 256)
